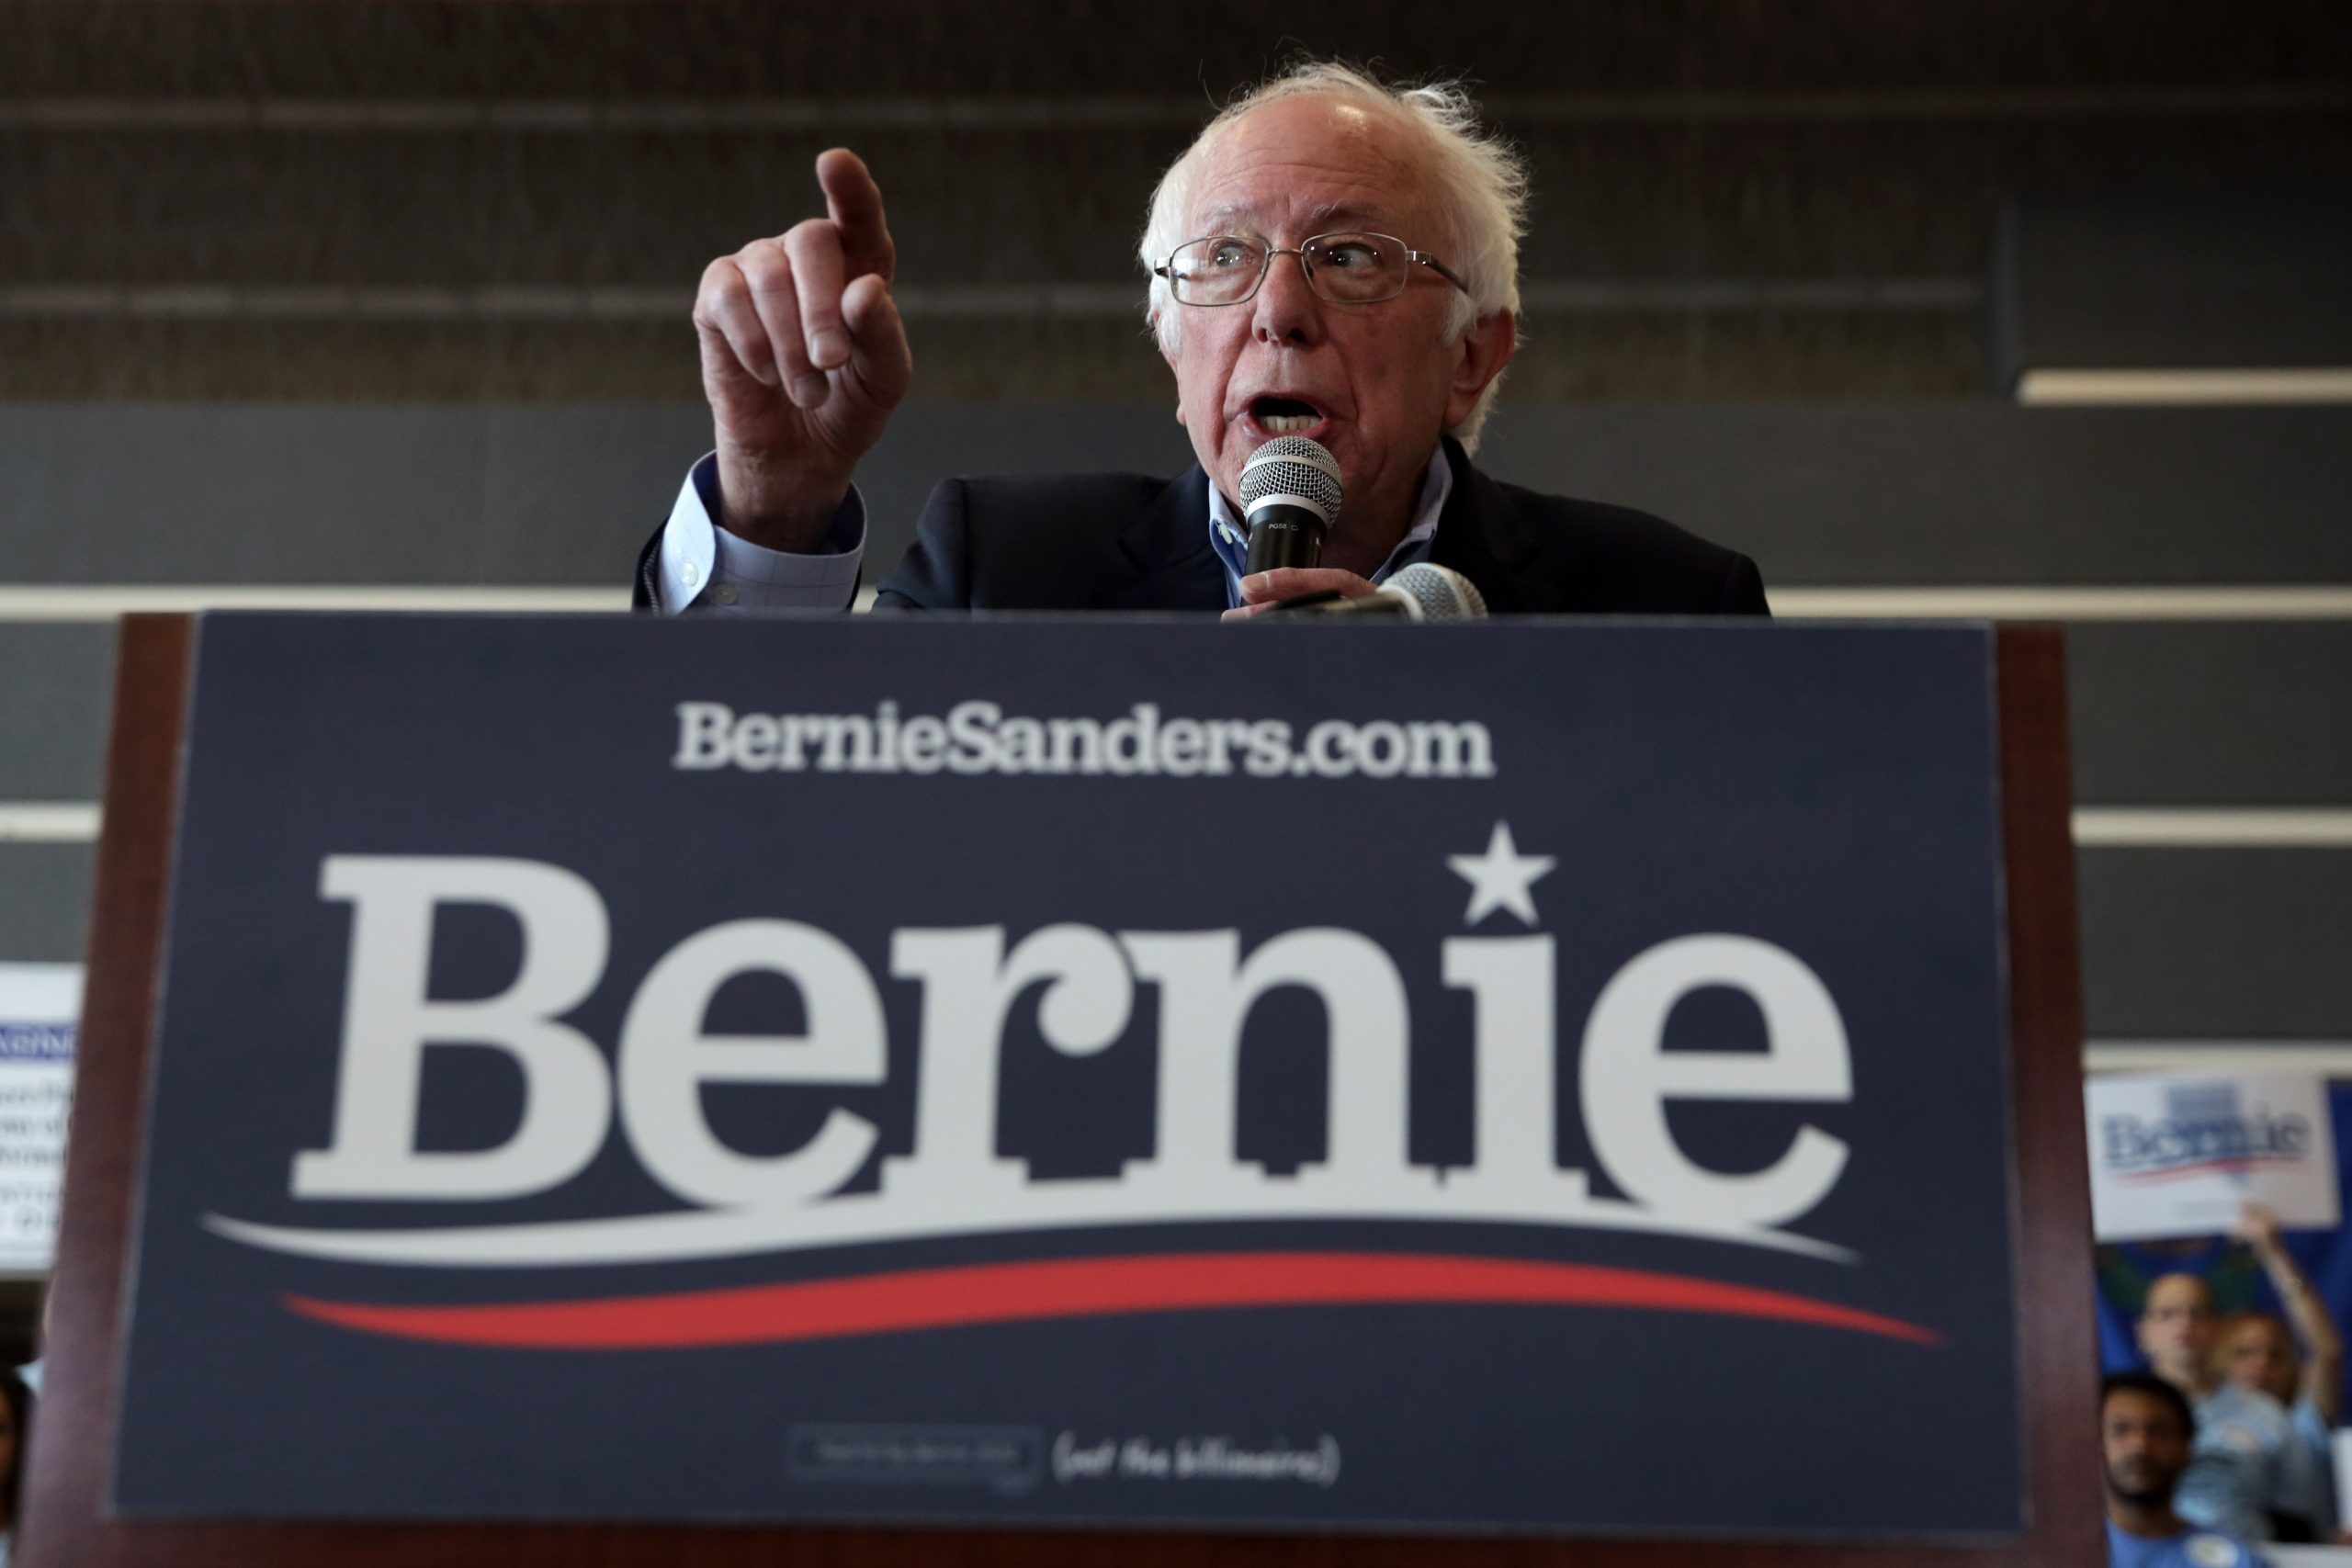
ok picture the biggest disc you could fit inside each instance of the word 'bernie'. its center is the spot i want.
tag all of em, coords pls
(953, 1179)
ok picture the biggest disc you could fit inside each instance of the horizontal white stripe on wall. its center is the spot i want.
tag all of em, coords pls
(2095, 827)
(48, 821)
(2333, 1057)
(2211, 828)
(2054, 388)
(2253, 602)
(103, 602)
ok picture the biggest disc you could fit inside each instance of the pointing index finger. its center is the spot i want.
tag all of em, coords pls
(855, 203)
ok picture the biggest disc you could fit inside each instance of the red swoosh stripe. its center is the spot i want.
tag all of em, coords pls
(1087, 1287)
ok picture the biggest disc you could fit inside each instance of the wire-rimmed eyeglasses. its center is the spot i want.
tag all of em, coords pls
(1347, 269)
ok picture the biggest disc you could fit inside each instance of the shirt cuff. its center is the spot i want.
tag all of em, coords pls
(705, 570)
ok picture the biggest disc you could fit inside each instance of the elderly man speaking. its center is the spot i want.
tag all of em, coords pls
(1331, 258)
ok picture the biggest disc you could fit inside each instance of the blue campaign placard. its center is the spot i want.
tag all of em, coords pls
(1536, 1077)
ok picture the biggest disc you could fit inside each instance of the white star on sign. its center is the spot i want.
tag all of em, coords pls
(1502, 878)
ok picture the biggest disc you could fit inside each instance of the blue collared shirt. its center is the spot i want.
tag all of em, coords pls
(1229, 537)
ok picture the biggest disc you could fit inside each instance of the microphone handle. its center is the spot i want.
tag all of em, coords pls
(1283, 536)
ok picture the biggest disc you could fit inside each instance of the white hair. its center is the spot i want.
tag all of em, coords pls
(1481, 183)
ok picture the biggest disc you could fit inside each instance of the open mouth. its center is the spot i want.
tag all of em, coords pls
(1284, 416)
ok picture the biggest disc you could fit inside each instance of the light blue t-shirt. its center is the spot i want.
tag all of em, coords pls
(2189, 1549)
(2237, 1464)
(2307, 1477)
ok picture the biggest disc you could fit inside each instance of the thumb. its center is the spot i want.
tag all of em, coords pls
(879, 352)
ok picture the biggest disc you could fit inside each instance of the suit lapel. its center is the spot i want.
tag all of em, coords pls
(1481, 535)
(1167, 545)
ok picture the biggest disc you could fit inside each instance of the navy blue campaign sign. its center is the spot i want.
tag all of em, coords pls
(1534, 1076)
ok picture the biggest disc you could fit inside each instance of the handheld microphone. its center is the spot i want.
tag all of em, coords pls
(1290, 493)
(1422, 592)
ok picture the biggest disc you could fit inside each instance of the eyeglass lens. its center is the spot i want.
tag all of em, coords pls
(1348, 269)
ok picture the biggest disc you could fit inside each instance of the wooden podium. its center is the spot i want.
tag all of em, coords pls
(65, 1523)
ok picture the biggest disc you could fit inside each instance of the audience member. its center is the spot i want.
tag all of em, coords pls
(2241, 1435)
(2144, 1426)
(2255, 1350)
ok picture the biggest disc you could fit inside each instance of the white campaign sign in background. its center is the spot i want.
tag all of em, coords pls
(39, 1006)
(2179, 1154)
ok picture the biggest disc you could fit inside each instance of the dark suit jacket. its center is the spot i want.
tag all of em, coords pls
(1131, 542)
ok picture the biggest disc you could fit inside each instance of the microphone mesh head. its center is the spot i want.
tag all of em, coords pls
(1295, 468)
(1442, 593)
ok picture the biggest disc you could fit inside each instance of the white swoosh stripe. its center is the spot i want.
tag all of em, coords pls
(866, 1218)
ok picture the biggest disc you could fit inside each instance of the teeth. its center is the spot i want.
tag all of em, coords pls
(1288, 424)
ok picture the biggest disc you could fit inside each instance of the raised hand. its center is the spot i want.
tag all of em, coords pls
(2257, 1227)
(803, 359)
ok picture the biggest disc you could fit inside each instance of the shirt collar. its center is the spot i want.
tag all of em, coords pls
(1229, 537)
